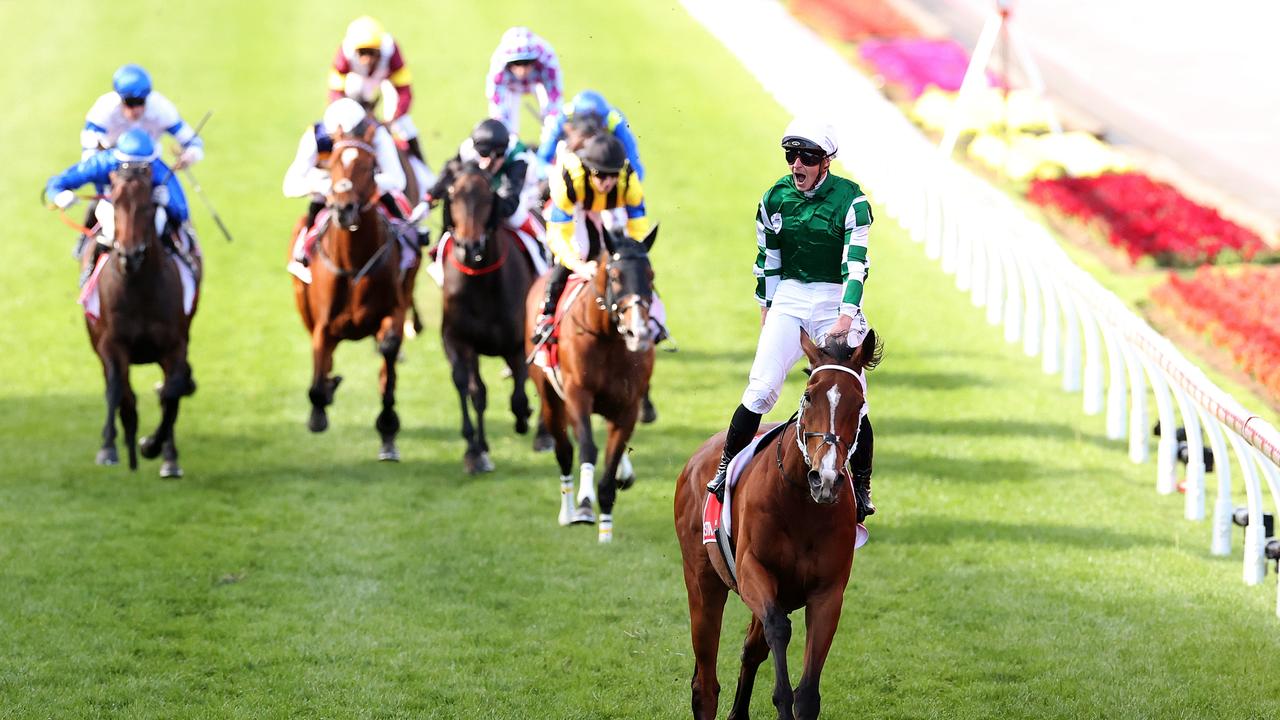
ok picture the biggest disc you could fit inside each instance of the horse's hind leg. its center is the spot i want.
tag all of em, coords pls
(579, 406)
(707, 596)
(554, 421)
(388, 423)
(754, 652)
(129, 419)
(519, 397)
(615, 453)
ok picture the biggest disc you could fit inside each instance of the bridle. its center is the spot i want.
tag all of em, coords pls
(827, 438)
(475, 248)
(609, 301)
(129, 170)
(345, 184)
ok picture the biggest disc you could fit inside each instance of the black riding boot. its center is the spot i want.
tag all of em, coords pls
(742, 430)
(556, 281)
(860, 469)
(416, 150)
(95, 250)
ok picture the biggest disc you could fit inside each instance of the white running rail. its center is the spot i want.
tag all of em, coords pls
(1011, 266)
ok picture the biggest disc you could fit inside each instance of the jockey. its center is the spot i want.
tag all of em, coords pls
(591, 103)
(523, 63)
(133, 104)
(502, 155)
(133, 148)
(368, 57)
(811, 232)
(596, 179)
(308, 174)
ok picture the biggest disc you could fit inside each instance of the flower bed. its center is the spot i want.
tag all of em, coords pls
(1238, 312)
(916, 64)
(1145, 218)
(854, 20)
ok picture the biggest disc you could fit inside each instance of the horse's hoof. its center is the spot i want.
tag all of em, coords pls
(318, 422)
(648, 413)
(522, 426)
(543, 442)
(477, 463)
(389, 453)
(626, 483)
(626, 476)
(584, 514)
(170, 469)
(107, 456)
(485, 464)
(149, 448)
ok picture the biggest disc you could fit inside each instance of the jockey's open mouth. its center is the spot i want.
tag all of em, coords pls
(800, 175)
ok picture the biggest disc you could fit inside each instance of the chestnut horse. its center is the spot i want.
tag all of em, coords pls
(141, 320)
(606, 359)
(356, 287)
(486, 280)
(794, 528)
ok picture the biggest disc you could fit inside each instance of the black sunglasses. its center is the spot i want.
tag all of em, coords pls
(490, 152)
(526, 61)
(809, 158)
(604, 175)
(134, 102)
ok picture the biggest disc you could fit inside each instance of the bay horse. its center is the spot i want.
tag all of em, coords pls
(606, 354)
(141, 320)
(483, 312)
(356, 287)
(794, 530)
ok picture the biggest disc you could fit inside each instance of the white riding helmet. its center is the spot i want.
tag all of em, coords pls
(343, 114)
(808, 134)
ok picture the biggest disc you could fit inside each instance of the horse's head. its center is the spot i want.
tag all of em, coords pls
(625, 283)
(471, 201)
(135, 213)
(352, 165)
(831, 411)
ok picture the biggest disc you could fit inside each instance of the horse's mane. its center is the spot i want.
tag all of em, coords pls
(870, 352)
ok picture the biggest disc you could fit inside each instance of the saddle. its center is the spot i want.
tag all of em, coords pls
(717, 517)
(547, 357)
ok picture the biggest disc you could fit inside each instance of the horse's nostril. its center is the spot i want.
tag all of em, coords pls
(814, 477)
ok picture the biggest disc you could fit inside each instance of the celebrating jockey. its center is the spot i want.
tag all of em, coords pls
(502, 155)
(134, 148)
(308, 174)
(524, 63)
(591, 104)
(368, 57)
(133, 104)
(811, 231)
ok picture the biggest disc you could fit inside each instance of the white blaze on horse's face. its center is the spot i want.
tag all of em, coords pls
(349, 156)
(829, 467)
(635, 328)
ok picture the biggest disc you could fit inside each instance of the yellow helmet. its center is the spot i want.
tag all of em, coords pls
(364, 33)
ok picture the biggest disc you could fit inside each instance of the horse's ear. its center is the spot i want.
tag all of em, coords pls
(650, 239)
(370, 131)
(811, 351)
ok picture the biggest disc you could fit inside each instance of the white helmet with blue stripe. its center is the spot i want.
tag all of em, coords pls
(131, 82)
(135, 146)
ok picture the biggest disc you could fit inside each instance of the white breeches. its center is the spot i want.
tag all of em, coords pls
(403, 127)
(812, 307)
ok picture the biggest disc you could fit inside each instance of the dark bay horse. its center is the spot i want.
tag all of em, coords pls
(606, 359)
(486, 280)
(141, 320)
(794, 527)
(356, 288)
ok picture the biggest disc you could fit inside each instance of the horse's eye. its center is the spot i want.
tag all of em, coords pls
(805, 398)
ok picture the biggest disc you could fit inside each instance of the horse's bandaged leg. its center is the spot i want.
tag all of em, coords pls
(587, 483)
(566, 500)
(778, 349)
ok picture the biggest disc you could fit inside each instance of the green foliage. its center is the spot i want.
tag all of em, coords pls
(1019, 567)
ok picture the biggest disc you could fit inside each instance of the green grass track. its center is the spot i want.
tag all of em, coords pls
(1020, 566)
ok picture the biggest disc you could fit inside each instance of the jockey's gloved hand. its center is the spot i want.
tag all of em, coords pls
(858, 329)
(319, 182)
(65, 199)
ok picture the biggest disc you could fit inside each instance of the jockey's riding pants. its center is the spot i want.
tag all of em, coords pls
(812, 307)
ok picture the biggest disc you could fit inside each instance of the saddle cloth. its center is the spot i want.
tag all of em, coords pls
(92, 304)
(717, 517)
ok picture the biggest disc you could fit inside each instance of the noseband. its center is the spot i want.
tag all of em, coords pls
(609, 301)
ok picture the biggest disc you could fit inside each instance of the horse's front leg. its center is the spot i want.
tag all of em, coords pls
(519, 397)
(615, 457)
(321, 391)
(461, 359)
(112, 373)
(388, 422)
(821, 616)
(579, 405)
(760, 592)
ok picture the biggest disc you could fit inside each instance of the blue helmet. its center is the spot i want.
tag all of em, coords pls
(135, 146)
(131, 82)
(590, 102)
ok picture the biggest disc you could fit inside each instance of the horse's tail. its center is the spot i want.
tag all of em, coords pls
(871, 351)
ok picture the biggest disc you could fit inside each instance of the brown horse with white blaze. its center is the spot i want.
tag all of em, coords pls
(794, 530)
(356, 289)
(141, 320)
(606, 350)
